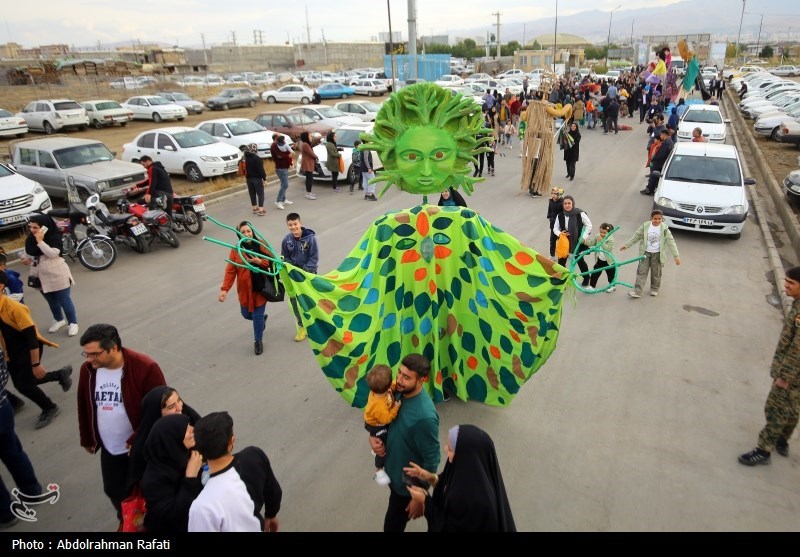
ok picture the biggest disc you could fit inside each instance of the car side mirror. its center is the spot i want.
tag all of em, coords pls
(316, 117)
(749, 181)
(169, 148)
(226, 134)
(727, 121)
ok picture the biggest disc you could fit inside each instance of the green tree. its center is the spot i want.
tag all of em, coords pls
(434, 48)
(594, 53)
(536, 45)
(509, 49)
(766, 52)
(469, 44)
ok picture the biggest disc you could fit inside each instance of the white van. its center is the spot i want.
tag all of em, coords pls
(679, 65)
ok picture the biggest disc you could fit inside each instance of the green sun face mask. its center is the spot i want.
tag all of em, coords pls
(426, 157)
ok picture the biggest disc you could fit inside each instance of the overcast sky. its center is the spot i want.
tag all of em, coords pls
(87, 22)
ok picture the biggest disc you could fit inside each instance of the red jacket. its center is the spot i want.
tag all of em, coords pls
(140, 374)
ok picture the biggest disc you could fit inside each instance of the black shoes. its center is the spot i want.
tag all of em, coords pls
(65, 378)
(370, 198)
(782, 447)
(754, 457)
(46, 417)
(536, 194)
(258, 347)
(646, 192)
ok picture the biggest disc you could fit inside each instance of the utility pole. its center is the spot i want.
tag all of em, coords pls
(758, 41)
(555, 39)
(205, 55)
(325, 46)
(487, 45)
(391, 48)
(523, 35)
(308, 29)
(412, 39)
(497, 32)
(233, 37)
(744, 3)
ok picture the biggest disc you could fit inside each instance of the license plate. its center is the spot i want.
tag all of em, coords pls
(138, 229)
(701, 222)
(198, 208)
(9, 220)
(121, 119)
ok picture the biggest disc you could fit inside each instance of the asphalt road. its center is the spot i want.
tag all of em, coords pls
(634, 424)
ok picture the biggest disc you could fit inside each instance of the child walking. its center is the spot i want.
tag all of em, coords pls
(601, 260)
(380, 411)
(509, 130)
(490, 157)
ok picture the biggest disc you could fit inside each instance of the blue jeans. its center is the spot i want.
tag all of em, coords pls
(60, 303)
(259, 319)
(16, 461)
(283, 176)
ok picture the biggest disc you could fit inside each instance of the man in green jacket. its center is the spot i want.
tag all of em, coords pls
(654, 238)
(783, 402)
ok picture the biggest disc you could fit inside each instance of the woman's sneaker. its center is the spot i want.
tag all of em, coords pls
(310, 196)
(56, 325)
(382, 478)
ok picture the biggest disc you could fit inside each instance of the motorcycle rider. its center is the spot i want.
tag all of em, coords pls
(157, 183)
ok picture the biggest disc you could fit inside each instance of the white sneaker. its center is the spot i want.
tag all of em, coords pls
(72, 330)
(57, 325)
(287, 202)
(279, 205)
(634, 295)
(382, 478)
(588, 288)
(610, 290)
(310, 196)
(654, 292)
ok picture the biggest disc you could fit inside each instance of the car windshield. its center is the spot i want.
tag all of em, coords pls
(107, 105)
(193, 138)
(347, 138)
(245, 127)
(181, 97)
(299, 119)
(702, 117)
(157, 101)
(330, 112)
(4, 171)
(5, 113)
(704, 170)
(82, 154)
(66, 105)
(370, 106)
(227, 93)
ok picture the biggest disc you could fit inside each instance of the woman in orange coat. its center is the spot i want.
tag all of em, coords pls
(248, 285)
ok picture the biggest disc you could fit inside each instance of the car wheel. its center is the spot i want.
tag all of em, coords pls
(123, 124)
(774, 135)
(345, 95)
(96, 124)
(82, 128)
(226, 106)
(252, 103)
(351, 174)
(369, 93)
(193, 173)
(735, 236)
(271, 99)
(157, 117)
(305, 100)
(48, 128)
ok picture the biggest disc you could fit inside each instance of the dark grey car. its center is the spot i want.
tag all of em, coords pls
(232, 98)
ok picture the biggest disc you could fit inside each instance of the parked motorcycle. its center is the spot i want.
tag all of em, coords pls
(189, 212)
(80, 241)
(156, 221)
(121, 229)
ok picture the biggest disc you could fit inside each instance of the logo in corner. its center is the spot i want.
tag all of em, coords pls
(22, 503)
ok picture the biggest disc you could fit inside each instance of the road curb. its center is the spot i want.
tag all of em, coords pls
(789, 222)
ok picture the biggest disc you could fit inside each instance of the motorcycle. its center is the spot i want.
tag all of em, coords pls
(80, 241)
(189, 212)
(121, 229)
(156, 221)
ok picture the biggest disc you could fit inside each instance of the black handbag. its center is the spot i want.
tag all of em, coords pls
(34, 282)
(273, 290)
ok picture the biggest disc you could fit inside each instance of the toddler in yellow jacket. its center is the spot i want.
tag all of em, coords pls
(380, 411)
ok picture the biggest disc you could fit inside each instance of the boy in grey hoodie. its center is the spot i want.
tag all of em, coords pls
(299, 248)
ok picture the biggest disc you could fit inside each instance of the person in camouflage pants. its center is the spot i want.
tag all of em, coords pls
(783, 402)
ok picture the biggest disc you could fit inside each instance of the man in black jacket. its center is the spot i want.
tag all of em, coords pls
(658, 160)
(158, 183)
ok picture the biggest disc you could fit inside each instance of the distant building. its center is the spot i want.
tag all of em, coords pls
(434, 39)
(10, 51)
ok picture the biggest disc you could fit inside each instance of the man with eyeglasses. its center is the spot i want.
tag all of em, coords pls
(113, 381)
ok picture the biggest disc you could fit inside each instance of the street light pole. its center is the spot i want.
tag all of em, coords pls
(555, 39)
(758, 41)
(744, 3)
(608, 39)
(391, 48)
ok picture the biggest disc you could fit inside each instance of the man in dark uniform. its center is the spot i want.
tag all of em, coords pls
(783, 402)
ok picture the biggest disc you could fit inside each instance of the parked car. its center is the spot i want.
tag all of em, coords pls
(370, 87)
(191, 81)
(213, 81)
(733, 73)
(789, 132)
(238, 80)
(511, 73)
(155, 108)
(769, 125)
(449, 81)
(335, 91)
(241, 131)
(177, 97)
(477, 76)
(124, 83)
(292, 124)
(12, 125)
(327, 115)
(233, 98)
(375, 76)
(146, 81)
(18, 197)
(87, 163)
(106, 112)
(785, 71)
(53, 115)
(186, 151)
(365, 110)
(791, 184)
(702, 188)
(345, 139)
(706, 117)
(289, 94)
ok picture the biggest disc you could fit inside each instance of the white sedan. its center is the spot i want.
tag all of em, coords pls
(345, 139)
(107, 113)
(20, 196)
(367, 111)
(707, 117)
(186, 151)
(289, 94)
(449, 81)
(327, 115)
(369, 87)
(241, 131)
(12, 125)
(155, 108)
(785, 71)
